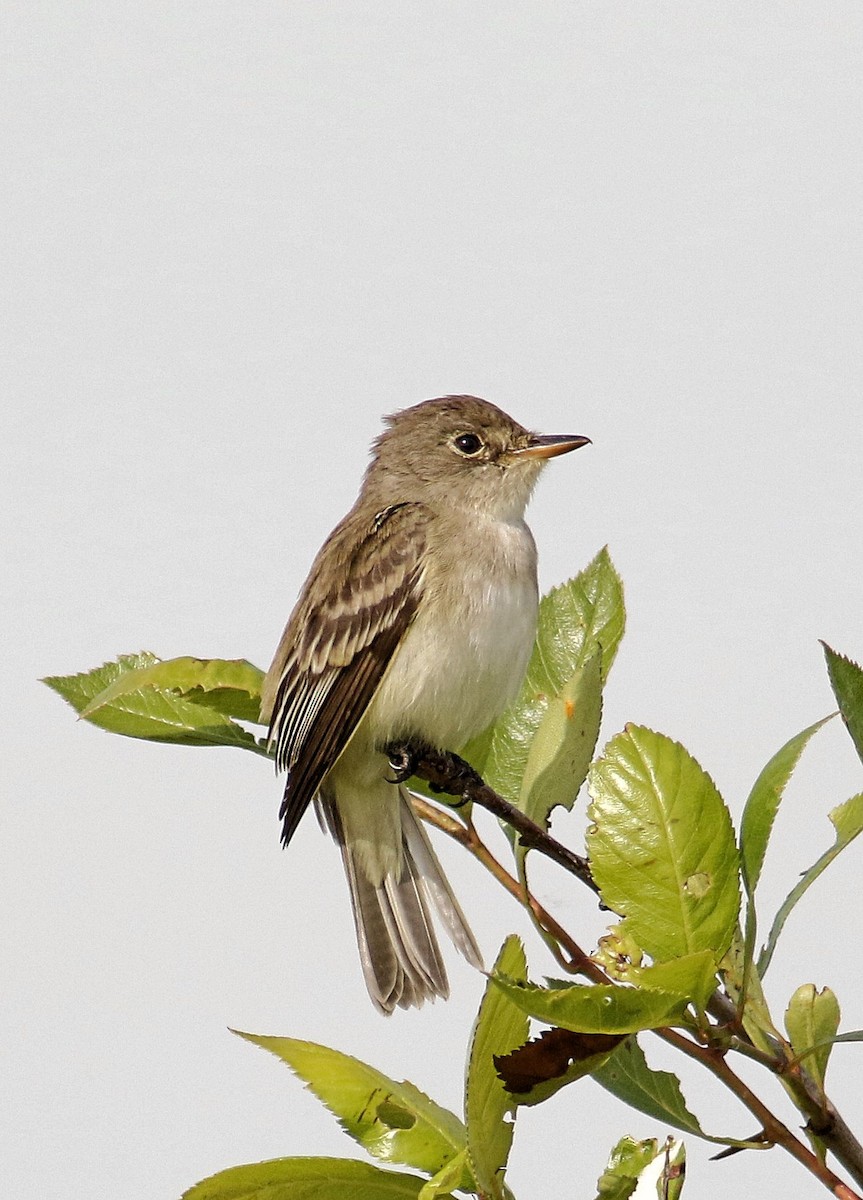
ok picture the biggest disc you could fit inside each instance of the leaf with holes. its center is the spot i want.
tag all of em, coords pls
(394, 1122)
(121, 698)
(661, 846)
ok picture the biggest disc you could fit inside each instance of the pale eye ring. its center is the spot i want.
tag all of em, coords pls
(468, 444)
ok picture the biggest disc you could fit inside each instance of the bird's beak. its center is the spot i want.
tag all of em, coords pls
(550, 445)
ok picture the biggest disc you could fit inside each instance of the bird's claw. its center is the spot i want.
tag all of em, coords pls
(403, 759)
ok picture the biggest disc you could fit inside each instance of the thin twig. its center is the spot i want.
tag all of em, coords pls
(567, 952)
(774, 1130)
(451, 775)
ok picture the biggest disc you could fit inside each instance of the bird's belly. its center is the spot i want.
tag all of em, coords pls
(458, 666)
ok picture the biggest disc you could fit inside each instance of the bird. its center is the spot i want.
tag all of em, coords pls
(415, 624)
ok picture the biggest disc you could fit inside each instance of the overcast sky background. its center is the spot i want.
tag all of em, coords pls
(236, 234)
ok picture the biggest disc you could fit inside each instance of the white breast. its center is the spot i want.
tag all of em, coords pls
(464, 657)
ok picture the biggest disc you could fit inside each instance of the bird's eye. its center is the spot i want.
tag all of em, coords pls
(468, 444)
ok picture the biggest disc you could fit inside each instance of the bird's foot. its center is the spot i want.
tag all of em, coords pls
(404, 757)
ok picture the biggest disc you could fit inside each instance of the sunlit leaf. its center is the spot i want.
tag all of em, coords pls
(500, 1028)
(812, 1019)
(308, 1179)
(595, 1008)
(661, 846)
(625, 1164)
(563, 746)
(454, 1174)
(660, 1169)
(763, 804)
(574, 620)
(394, 1122)
(693, 976)
(143, 711)
(79, 690)
(231, 686)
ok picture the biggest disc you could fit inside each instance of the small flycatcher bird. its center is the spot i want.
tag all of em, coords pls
(416, 622)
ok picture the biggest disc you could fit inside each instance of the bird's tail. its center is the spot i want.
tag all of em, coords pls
(401, 959)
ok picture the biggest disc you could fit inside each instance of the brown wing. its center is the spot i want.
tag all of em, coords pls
(338, 643)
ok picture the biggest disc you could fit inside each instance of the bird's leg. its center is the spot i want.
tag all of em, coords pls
(405, 758)
(443, 771)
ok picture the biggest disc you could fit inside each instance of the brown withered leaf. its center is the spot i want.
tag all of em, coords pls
(551, 1056)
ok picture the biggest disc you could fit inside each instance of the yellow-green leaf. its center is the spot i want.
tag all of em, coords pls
(561, 750)
(394, 1122)
(489, 1109)
(693, 976)
(661, 846)
(630, 1161)
(144, 711)
(812, 1017)
(595, 1008)
(231, 686)
(575, 620)
(308, 1179)
(763, 804)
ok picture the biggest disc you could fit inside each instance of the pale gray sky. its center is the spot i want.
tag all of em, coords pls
(236, 234)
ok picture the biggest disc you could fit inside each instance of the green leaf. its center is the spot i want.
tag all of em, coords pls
(661, 846)
(121, 698)
(655, 1093)
(846, 679)
(847, 820)
(79, 690)
(574, 619)
(812, 1018)
(852, 1035)
(500, 1028)
(763, 804)
(596, 1007)
(625, 1164)
(743, 985)
(454, 1174)
(231, 686)
(563, 746)
(632, 1161)
(308, 1179)
(693, 976)
(394, 1122)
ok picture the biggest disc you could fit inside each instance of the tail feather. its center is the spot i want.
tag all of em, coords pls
(419, 852)
(399, 952)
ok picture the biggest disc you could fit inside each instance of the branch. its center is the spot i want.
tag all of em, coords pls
(447, 773)
(567, 952)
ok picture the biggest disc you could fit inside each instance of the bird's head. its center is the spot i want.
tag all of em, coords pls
(461, 451)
